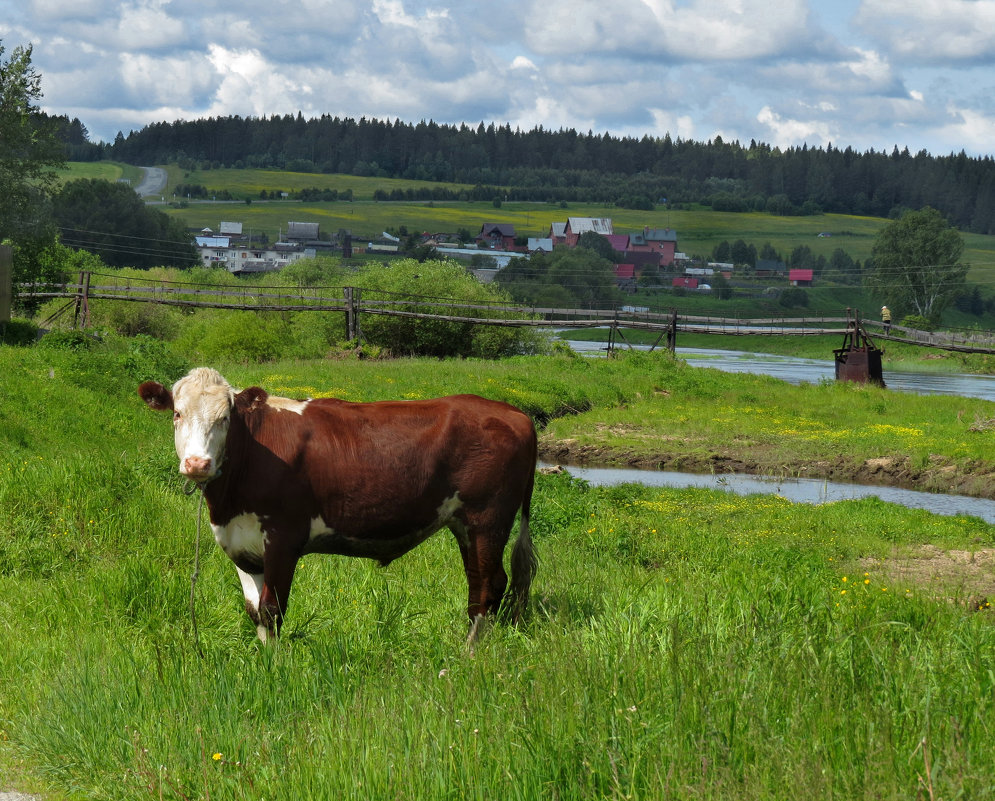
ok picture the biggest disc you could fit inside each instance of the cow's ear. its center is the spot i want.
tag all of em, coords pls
(156, 396)
(250, 399)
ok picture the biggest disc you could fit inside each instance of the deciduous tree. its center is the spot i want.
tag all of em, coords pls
(29, 150)
(916, 264)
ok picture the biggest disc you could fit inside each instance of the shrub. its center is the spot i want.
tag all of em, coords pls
(148, 359)
(418, 287)
(918, 322)
(133, 319)
(18, 332)
(68, 340)
(793, 296)
(314, 334)
(235, 336)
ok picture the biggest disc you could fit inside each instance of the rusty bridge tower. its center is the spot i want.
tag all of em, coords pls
(858, 359)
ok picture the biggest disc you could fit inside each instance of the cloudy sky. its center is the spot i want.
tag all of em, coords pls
(861, 73)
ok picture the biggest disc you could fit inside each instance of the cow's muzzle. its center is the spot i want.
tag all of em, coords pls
(197, 468)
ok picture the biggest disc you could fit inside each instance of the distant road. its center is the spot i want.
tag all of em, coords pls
(153, 181)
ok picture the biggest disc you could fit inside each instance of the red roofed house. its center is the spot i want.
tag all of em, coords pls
(656, 240)
(799, 277)
(625, 277)
(685, 281)
(619, 242)
(497, 236)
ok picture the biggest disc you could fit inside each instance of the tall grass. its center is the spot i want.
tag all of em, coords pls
(682, 643)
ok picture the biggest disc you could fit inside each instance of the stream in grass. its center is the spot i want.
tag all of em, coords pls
(797, 490)
(796, 370)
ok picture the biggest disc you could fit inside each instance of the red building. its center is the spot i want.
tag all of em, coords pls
(799, 277)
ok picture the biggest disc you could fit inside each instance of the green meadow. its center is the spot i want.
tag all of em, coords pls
(684, 644)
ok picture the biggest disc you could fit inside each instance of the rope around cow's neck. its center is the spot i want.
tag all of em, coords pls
(196, 567)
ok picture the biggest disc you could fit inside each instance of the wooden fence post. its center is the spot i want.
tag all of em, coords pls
(357, 302)
(6, 282)
(83, 301)
(352, 298)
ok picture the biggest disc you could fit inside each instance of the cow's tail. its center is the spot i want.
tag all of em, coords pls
(523, 556)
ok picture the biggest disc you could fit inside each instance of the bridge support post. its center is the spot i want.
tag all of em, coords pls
(6, 283)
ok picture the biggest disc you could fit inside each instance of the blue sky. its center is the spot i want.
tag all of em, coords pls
(869, 74)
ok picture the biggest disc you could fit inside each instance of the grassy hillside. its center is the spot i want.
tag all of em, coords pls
(106, 170)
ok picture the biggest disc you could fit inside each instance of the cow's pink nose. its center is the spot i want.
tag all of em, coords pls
(196, 467)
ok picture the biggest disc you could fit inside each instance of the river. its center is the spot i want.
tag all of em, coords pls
(796, 370)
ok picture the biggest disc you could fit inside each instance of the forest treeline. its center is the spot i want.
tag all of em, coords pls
(564, 165)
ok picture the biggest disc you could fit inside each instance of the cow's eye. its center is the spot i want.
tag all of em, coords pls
(176, 417)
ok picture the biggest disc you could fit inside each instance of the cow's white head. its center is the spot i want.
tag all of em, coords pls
(201, 403)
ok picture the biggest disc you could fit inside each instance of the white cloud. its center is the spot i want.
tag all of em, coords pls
(170, 81)
(931, 30)
(732, 29)
(969, 130)
(249, 85)
(68, 10)
(679, 126)
(147, 25)
(792, 132)
(523, 63)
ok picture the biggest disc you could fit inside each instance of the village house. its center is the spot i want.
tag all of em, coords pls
(625, 277)
(799, 277)
(496, 236)
(558, 233)
(579, 225)
(619, 242)
(237, 254)
(770, 268)
(540, 244)
(662, 241)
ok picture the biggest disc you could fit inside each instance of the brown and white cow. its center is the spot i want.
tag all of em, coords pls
(283, 478)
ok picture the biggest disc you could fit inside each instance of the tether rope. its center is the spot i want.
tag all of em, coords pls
(189, 490)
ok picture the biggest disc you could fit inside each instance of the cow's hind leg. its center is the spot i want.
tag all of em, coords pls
(482, 549)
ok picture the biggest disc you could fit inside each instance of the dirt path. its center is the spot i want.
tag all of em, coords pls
(153, 183)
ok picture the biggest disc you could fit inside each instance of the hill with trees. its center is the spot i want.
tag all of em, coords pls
(565, 165)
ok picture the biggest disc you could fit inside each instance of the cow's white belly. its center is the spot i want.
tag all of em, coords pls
(325, 538)
(242, 536)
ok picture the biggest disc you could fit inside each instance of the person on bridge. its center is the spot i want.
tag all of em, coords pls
(886, 318)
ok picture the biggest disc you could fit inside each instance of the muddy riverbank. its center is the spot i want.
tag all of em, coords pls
(938, 474)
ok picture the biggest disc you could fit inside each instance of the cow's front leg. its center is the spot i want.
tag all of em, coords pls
(252, 588)
(278, 574)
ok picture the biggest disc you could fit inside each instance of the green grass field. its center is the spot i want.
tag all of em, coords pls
(682, 644)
